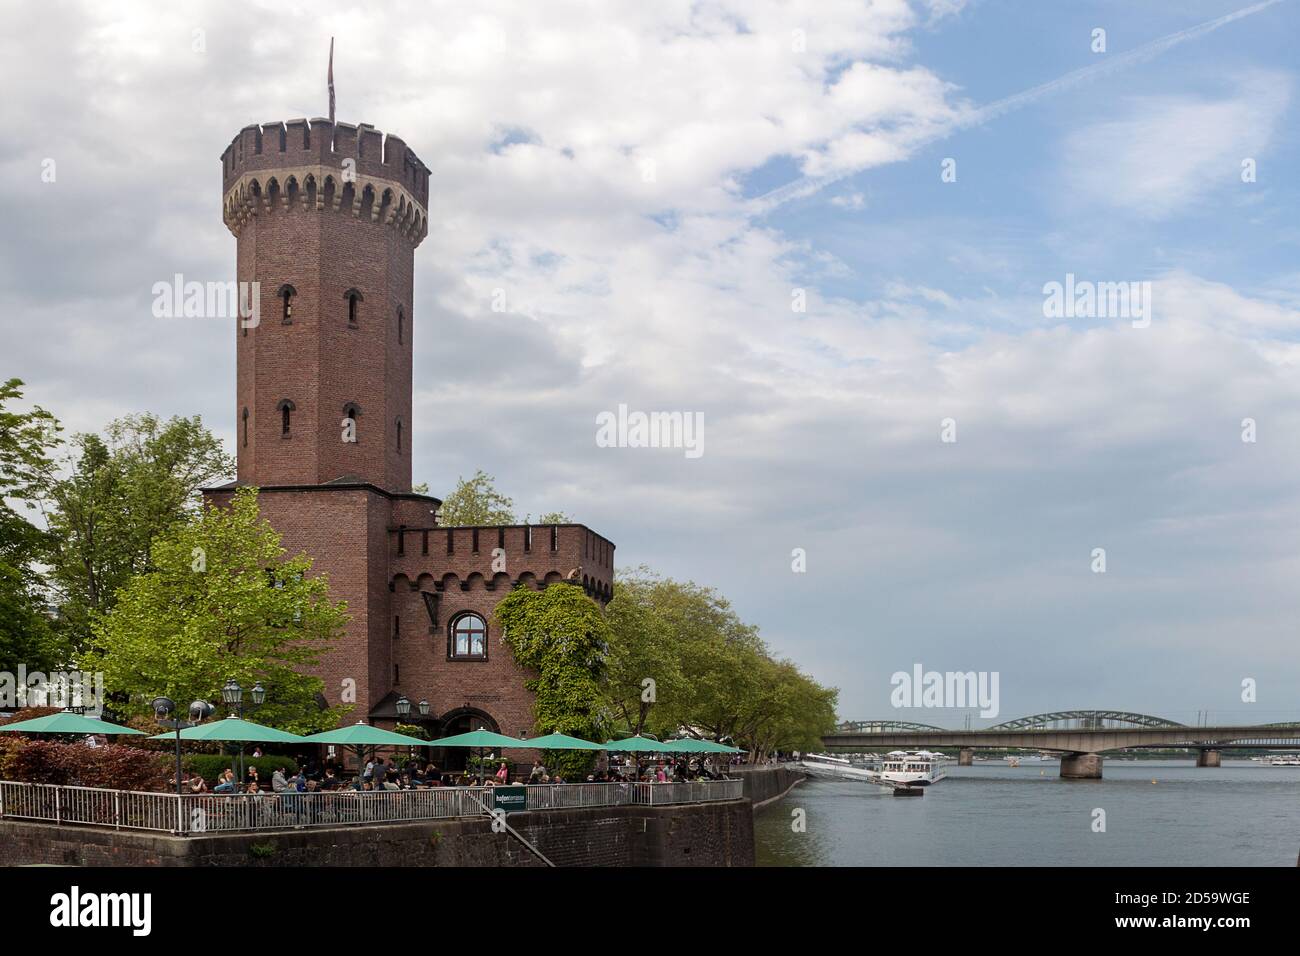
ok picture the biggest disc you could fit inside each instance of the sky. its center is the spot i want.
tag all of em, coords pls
(825, 227)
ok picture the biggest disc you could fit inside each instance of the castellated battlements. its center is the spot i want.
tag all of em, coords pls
(321, 165)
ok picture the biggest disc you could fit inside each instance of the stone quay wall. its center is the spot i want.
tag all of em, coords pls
(704, 834)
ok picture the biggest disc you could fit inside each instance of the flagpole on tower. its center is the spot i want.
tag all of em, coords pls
(330, 81)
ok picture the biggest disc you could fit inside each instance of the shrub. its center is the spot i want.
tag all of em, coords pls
(112, 766)
(10, 744)
(208, 766)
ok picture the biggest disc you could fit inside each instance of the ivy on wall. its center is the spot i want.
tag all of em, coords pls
(559, 634)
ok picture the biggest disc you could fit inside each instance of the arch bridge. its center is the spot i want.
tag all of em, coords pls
(1080, 736)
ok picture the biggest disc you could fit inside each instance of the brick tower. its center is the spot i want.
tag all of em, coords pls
(327, 217)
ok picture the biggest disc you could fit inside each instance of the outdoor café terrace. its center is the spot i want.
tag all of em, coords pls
(186, 812)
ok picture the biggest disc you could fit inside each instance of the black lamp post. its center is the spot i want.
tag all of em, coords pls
(163, 707)
(232, 695)
(403, 711)
(403, 706)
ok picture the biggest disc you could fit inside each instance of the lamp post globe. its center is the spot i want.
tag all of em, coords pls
(231, 693)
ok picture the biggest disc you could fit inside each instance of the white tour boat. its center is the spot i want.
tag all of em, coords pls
(1284, 760)
(914, 768)
(836, 768)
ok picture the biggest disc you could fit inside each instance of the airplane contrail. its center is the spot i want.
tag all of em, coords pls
(808, 185)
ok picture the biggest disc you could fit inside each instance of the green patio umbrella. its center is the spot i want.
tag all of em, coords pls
(483, 740)
(686, 745)
(692, 745)
(231, 730)
(364, 735)
(67, 722)
(562, 742)
(639, 744)
(480, 738)
(234, 729)
(361, 736)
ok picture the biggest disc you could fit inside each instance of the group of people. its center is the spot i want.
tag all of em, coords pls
(380, 774)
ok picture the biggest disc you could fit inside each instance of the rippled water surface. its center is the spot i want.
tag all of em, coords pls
(1162, 813)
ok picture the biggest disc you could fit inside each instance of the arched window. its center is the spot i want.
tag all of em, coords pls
(354, 306)
(245, 418)
(286, 294)
(401, 326)
(351, 412)
(399, 434)
(286, 409)
(467, 638)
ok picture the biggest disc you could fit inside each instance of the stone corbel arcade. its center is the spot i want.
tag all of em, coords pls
(434, 560)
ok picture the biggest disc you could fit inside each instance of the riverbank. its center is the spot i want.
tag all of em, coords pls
(766, 785)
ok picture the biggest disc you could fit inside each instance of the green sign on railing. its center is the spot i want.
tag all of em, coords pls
(510, 799)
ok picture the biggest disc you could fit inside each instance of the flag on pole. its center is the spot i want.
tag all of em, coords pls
(330, 80)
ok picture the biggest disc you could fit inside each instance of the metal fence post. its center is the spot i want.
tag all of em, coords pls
(58, 805)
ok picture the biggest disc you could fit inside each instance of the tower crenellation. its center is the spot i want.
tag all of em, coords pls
(336, 166)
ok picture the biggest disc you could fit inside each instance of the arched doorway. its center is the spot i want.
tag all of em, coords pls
(462, 720)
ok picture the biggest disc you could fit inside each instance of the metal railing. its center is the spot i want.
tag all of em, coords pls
(208, 813)
(566, 795)
(119, 809)
(691, 791)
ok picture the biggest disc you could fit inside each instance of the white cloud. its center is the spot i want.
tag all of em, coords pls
(1164, 154)
(821, 427)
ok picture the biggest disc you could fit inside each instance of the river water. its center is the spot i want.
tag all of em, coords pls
(1157, 813)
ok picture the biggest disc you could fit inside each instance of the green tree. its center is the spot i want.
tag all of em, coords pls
(476, 502)
(222, 600)
(121, 494)
(713, 675)
(788, 711)
(643, 674)
(27, 440)
(560, 635)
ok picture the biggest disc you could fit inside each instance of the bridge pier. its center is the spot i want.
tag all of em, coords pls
(1208, 758)
(1081, 766)
(965, 757)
